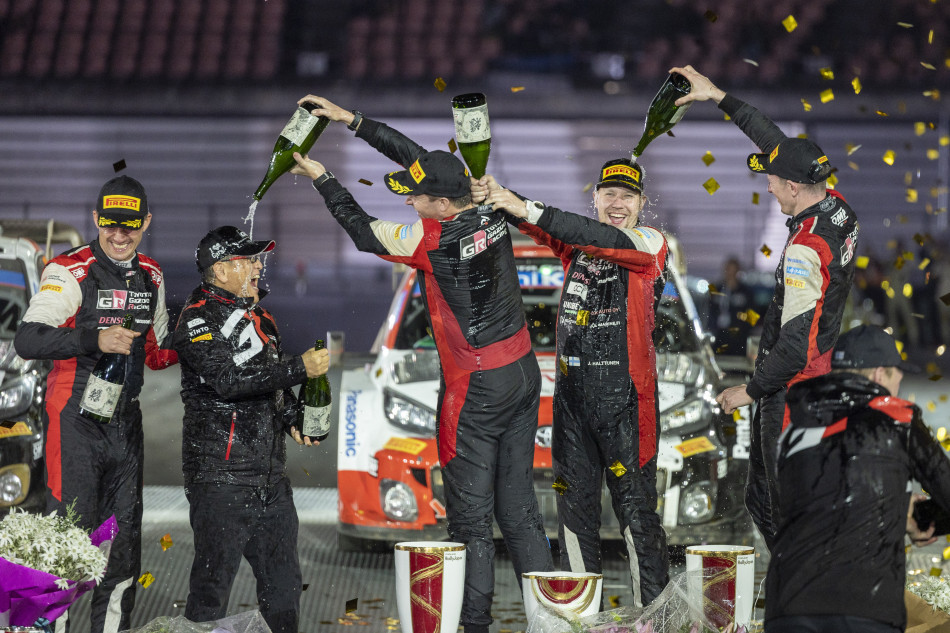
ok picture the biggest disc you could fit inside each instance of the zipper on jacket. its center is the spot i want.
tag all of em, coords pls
(230, 435)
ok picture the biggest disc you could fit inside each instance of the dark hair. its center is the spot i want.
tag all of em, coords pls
(207, 275)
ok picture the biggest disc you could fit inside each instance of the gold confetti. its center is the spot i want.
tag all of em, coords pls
(710, 15)
(166, 542)
(588, 187)
(351, 605)
(614, 601)
(453, 146)
(305, 471)
(765, 250)
(711, 186)
(888, 157)
(862, 262)
(911, 195)
(941, 433)
(736, 416)
(827, 95)
(806, 105)
(560, 486)
(439, 84)
(749, 61)
(363, 181)
(708, 159)
(856, 84)
(755, 198)
(713, 290)
(945, 140)
(935, 571)
(920, 239)
(851, 148)
(751, 317)
(923, 263)
(931, 406)
(930, 37)
(919, 128)
(933, 154)
(853, 165)
(146, 579)
(933, 94)
(906, 25)
(119, 165)
(827, 73)
(790, 23)
(517, 88)
(927, 66)
(618, 469)
(881, 113)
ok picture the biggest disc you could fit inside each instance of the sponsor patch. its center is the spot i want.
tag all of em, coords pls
(404, 232)
(621, 170)
(695, 446)
(794, 270)
(19, 428)
(473, 244)
(583, 317)
(195, 322)
(847, 249)
(839, 218)
(754, 163)
(773, 154)
(795, 283)
(121, 202)
(405, 445)
(795, 260)
(415, 170)
(203, 337)
(123, 300)
(51, 288)
(577, 288)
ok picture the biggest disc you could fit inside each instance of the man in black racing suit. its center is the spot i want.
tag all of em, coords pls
(812, 282)
(845, 463)
(606, 408)
(490, 386)
(235, 384)
(73, 320)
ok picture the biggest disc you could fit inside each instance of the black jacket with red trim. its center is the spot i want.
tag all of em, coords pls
(812, 281)
(235, 384)
(845, 464)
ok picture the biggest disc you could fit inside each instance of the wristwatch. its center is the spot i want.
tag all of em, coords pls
(357, 118)
(535, 209)
(322, 178)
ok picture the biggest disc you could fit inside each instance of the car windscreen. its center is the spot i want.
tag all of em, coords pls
(14, 297)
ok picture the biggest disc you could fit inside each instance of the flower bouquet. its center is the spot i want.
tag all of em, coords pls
(927, 599)
(46, 563)
(246, 622)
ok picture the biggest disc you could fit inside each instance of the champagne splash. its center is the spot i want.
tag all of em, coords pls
(250, 218)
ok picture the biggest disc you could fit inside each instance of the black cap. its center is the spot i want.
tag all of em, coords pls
(437, 173)
(866, 347)
(225, 242)
(621, 172)
(122, 203)
(795, 159)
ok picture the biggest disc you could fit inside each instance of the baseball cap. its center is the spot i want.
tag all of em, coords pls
(868, 346)
(225, 242)
(437, 173)
(795, 159)
(621, 172)
(122, 203)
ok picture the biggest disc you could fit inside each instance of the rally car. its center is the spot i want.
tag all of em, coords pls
(389, 480)
(23, 382)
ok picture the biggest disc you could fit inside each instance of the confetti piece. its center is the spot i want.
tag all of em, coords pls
(833, 180)
(881, 113)
(933, 154)
(827, 95)
(722, 349)
(708, 158)
(911, 195)
(853, 165)
(588, 187)
(945, 140)
(765, 250)
(618, 469)
(305, 471)
(919, 128)
(930, 37)
(751, 61)
(935, 377)
(790, 23)
(941, 433)
(453, 146)
(363, 181)
(614, 601)
(889, 157)
(927, 66)
(755, 198)
(118, 165)
(711, 186)
(166, 542)
(351, 605)
(710, 15)
(856, 84)
(146, 579)
(517, 88)
(736, 416)
(305, 586)
(946, 299)
(906, 25)
(560, 486)
(931, 406)
(713, 290)
(806, 105)
(827, 73)
(851, 148)
(439, 84)
(923, 263)
(862, 262)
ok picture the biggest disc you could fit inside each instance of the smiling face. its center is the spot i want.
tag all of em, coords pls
(239, 276)
(618, 206)
(431, 207)
(119, 243)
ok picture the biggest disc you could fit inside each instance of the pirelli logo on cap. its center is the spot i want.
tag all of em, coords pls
(822, 160)
(621, 170)
(121, 202)
(773, 154)
(415, 170)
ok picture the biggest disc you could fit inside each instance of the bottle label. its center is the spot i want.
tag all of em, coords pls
(316, 421)
(471, 124)
(299, 126)
(680, 111)
(100, 396)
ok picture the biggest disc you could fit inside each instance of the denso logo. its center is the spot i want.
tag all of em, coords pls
(350, 425)
(473, 244)
(110, 320)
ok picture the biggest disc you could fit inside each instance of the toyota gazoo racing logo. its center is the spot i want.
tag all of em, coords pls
(480, 240)
(543, 436)
(122, 300)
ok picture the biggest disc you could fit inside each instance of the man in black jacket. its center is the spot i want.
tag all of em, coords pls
(235, 383)
(845, 463)
(812, 282)
(73, 320)
(491, 384)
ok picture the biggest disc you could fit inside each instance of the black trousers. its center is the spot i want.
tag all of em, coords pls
(828, 624)
(761, 493)
(101, 476)
(259, 524)
(492, 472)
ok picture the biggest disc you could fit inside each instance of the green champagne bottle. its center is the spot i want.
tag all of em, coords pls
(298, 135)
(663, 114)
(313, 419)
(472, 132)
(104, 386)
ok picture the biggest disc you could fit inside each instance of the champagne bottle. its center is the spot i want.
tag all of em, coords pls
(104, 386)
(313, 420)
(663, 114)
(472, 132)
(298, 135)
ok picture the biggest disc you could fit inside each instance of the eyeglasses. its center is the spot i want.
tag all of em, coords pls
(250, 258)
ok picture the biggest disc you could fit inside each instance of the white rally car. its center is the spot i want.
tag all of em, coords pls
(389, 480)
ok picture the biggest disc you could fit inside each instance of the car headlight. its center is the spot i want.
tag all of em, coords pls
(409, 415)
(416, 367)
(397, 500)
(688, 414)
(697, 503)
(682, 368)
(14, 484)
(16, 396)
(10, 361)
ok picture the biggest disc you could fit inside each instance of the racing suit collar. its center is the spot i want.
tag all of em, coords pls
(223, 296)
(804, 215)
(104, 259)
(825, 400)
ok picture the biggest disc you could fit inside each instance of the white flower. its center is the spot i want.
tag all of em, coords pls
(52, 544)
(934, 590)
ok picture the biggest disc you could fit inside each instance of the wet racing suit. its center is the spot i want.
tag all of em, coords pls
(801, 324)
(97, 466)
(605, 395)
(235, 384)
(847, 457)
(490, 384)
